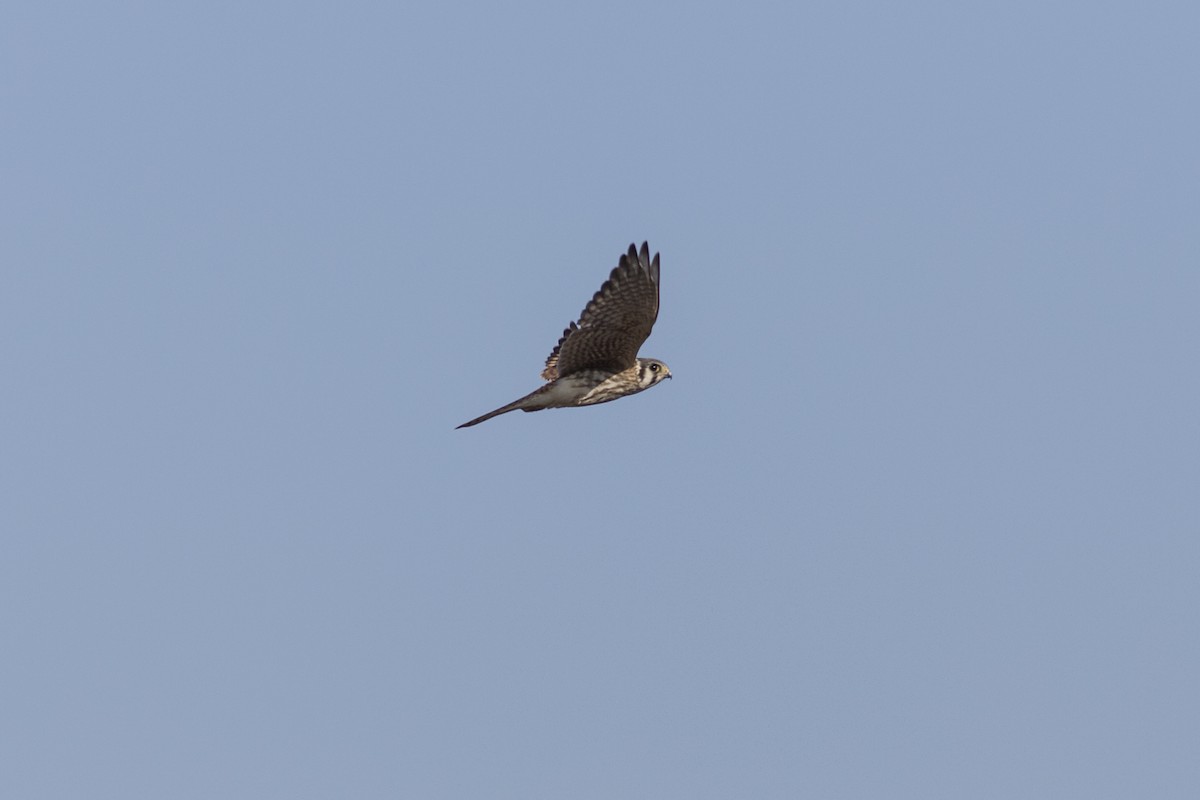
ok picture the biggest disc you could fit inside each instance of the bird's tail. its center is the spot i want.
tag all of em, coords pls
(513, 406)
(534, 401)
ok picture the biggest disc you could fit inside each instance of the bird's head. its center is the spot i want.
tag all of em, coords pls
(652, 371)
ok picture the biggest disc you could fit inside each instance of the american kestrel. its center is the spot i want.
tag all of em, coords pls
(596, 360)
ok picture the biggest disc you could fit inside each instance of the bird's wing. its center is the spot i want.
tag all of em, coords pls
(613, 326)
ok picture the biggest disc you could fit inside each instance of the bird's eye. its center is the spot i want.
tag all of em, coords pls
(654, 367)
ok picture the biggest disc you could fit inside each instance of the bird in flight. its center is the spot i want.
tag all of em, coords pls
(596, 360)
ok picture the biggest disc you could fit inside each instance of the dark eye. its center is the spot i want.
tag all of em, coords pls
(654, 367)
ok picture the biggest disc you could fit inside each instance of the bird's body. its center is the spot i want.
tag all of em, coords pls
(596, 360)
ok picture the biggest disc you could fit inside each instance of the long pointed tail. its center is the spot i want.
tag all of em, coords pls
(513, 406)
(539, 398)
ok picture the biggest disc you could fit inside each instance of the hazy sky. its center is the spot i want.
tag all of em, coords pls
(917, 518)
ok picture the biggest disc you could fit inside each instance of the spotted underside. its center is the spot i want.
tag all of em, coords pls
(614, 324)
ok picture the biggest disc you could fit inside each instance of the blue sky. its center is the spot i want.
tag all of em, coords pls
(917, 517)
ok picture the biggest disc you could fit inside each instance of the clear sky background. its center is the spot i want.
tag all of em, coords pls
(917, 518)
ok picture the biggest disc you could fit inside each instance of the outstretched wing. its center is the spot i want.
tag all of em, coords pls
(615, 323)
